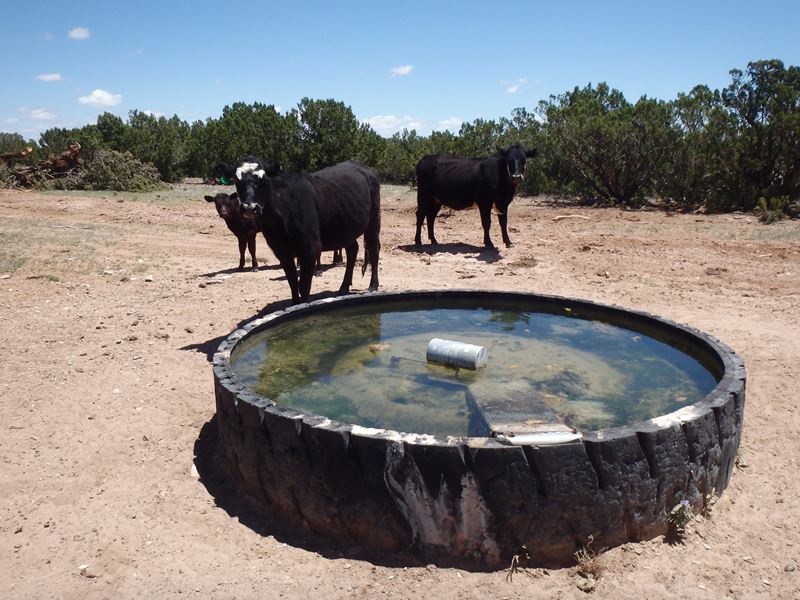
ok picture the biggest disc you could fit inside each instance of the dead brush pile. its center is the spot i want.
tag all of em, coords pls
(74, 169)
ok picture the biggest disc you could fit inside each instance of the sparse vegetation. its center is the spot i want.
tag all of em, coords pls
(709, 502)
(10, 262)
(679, 518)
(520, 556)
(772, 210)
(720, 150)
(590, 564)
(5, 175)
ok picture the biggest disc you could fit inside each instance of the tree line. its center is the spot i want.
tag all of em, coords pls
(724, 150)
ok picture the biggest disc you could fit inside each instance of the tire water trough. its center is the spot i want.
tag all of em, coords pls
(572, 422)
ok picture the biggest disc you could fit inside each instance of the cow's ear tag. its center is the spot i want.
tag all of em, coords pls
(224, 180)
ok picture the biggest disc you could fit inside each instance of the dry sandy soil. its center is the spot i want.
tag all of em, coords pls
(111, 306)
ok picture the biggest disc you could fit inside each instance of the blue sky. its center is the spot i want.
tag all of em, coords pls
(424, 65)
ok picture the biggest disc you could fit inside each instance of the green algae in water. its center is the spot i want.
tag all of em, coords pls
(366, 368)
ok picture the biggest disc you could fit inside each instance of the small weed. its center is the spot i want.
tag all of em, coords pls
(709, 501)
(741, 460)
(679, 517)
(524, 263)
(772, 209)
(521, 555)
(590, 563)
(11, 262)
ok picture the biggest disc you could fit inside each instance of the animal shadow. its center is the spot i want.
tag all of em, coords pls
(487, 255)
(234, 270)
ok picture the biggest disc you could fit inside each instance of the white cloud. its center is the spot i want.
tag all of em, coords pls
(11, 120)
(101, 98)
(389, 124)
(153, 113)
(402, 70)
(79, 33)
(453, 124)
(50, 77)
(41, 114)
(38, 114)
(47, 36)
(513, 88)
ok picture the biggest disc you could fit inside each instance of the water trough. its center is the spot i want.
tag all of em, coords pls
(516, 469)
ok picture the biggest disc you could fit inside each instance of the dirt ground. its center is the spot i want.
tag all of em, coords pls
(112, 304)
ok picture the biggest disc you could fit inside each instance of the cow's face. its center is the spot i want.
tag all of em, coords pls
(227, 204)
(514, 159)
(252, 183)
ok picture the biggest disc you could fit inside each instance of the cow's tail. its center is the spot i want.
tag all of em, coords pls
(366, 260)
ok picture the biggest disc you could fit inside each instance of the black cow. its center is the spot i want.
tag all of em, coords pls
(302, 215)
(461, 182)
(337, 260)
(245, 230)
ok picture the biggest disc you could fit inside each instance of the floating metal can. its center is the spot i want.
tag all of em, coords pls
(456, 354)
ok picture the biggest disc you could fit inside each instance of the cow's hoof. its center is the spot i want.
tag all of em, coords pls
(509, 244)
(254, 269)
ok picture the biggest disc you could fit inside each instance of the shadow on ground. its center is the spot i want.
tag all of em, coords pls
(227, 497)
(234, 270)
(209, 347)
(487, 255)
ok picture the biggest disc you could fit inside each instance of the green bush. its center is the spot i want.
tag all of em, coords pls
(110, 170)
(6, 178)
(772, 209)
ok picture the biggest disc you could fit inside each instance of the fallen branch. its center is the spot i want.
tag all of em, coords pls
(558, 218)
(20, 154)
(56, 166)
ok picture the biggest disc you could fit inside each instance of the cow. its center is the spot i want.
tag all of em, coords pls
(301, 215)
(337, 260)
(462, 182)
(244, 230)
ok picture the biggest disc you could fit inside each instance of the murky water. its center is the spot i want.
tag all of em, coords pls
(359, 367)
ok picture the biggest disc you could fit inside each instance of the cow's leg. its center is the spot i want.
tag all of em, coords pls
(433, 211)
(486, 221)
(372, 247)
(251, 245)
(242, 246)
(318, 269)
(352, 253)
(421, 212)
(291, 276)
(307, 263)
(502, 218)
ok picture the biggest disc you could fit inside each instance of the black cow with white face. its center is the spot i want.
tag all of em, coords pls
(303, 215)
(462, 182)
